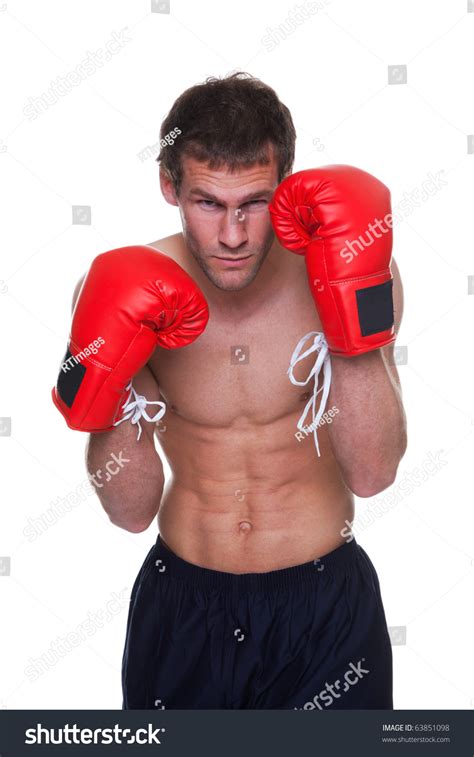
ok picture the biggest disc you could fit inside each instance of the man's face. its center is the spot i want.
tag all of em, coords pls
(225, 218)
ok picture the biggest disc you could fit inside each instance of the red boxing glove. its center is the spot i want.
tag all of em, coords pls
(132, 300)
(337, 217)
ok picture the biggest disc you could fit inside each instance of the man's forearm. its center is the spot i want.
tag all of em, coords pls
(127, 475)
(368, 435)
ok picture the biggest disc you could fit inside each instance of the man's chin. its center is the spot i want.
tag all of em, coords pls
(232, 281)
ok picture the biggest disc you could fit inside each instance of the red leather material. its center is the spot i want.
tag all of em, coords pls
(325, 214)
(135, 298)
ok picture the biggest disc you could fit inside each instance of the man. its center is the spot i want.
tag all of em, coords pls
(255, 594)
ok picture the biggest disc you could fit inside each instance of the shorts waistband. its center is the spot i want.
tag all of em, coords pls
(333, 563)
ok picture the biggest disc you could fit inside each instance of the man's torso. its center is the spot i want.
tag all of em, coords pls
(245, 495)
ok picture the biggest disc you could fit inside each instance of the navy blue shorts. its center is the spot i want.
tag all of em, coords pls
(313, 636)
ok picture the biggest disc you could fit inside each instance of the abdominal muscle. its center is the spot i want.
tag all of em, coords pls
(249, 498)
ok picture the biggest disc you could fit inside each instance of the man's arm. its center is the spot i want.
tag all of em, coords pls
(131, 498)
(133, 299)
(132, 494)
(369, 435)
(355, 296)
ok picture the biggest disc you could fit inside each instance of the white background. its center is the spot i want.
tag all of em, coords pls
(332, 72)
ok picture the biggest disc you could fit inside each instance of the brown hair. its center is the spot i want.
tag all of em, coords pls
(229, 121)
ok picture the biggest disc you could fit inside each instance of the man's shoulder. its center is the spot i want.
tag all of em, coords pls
(173, 246)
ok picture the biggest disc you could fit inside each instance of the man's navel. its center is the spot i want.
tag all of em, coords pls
(245, 526)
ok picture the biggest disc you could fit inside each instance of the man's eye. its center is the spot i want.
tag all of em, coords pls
(207, 204)
(255, 203)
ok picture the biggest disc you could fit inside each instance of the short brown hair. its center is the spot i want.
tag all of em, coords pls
(229, 121)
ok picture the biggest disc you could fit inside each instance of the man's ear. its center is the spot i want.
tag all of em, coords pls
(167, 188)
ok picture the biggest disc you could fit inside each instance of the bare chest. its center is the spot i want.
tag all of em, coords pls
(236, 372)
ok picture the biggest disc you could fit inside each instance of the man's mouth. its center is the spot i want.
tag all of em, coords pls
(228, 261)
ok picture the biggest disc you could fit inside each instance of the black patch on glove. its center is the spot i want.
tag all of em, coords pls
(69, 379)
(375, 307)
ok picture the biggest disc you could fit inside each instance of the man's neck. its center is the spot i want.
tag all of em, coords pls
(270, 277)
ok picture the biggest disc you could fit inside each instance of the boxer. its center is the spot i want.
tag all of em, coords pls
(252, 595)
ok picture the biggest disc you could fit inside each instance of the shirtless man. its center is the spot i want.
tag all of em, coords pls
(253, 595)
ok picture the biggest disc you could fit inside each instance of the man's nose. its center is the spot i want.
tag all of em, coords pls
(233, 229)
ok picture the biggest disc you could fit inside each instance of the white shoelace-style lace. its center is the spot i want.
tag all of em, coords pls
(136, 409)
(323, 360)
